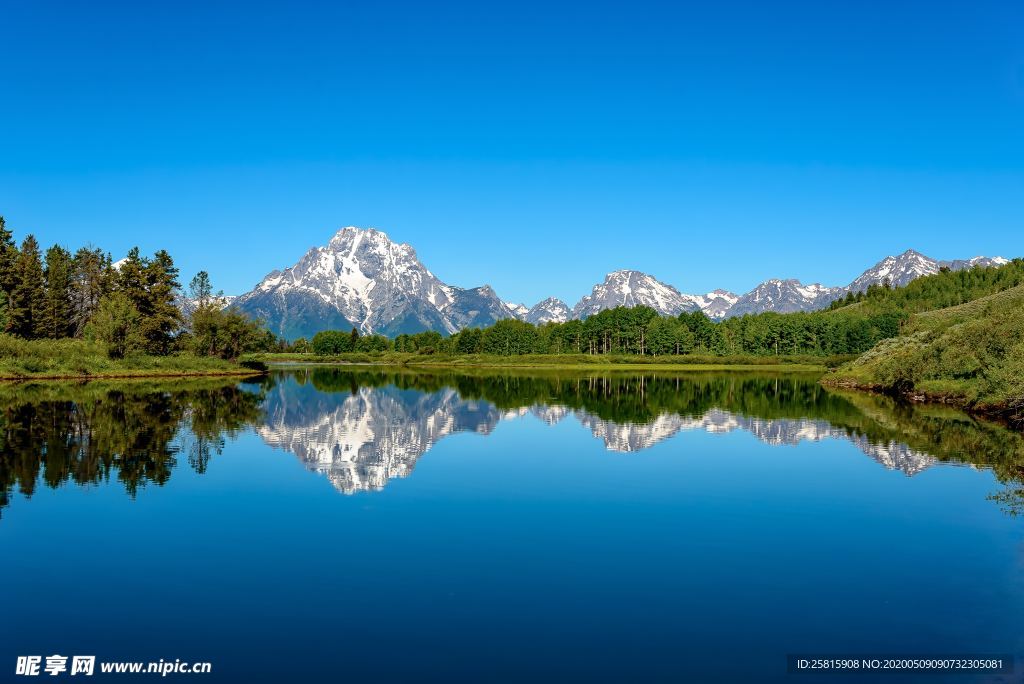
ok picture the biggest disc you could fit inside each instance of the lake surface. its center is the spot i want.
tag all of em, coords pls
(331, 525)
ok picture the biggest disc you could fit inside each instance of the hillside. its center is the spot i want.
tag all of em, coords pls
(971, 354)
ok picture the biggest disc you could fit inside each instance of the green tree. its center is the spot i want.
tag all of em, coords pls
(201, 289)
(328, 342)
(161, 317)
(131, 280)
(57, 313)
(91, 278)
(116, 324)
(28, 296)
(8, 257)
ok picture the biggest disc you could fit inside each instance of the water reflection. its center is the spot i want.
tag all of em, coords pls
(132, 432)
(361, 429)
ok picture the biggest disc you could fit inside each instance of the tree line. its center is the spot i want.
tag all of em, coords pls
(133, 306)
(641, 331)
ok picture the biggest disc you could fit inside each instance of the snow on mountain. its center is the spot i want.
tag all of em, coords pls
(633, 288)
(364, 280)
(715, 303)
(897, 270)
(900, 270)
(187, 305)
(551, 310)
(981, 261)
(518, 310)
(784, 296)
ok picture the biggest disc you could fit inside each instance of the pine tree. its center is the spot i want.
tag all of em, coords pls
(28, 295)
(200, 289)
(8, 257)
(92, 278)
(56, 321)
(161, 315)
(131, 280)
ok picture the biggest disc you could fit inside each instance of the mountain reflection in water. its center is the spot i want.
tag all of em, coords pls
(360, 429)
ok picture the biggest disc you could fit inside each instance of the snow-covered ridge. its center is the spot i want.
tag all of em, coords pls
(362, 279)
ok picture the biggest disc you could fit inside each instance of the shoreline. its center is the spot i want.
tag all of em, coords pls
(1005, 413)
(128, 375)
(688, 367)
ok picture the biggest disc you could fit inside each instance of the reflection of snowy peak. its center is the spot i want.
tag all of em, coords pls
(362, 440)
(628, 437)
(631, 436)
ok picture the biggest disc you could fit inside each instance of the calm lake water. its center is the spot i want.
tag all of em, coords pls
(330, 525)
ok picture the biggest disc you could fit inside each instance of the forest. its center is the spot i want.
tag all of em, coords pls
(131, 307)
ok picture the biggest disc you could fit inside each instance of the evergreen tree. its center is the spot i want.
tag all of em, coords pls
(131, 280)
(8, 257)
(200, 289)
(161, 317)
(28, 295)
(57, 313)
(91, 278)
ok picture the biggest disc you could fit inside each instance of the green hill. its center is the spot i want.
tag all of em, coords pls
(971, 354)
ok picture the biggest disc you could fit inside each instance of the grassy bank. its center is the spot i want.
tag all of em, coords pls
(971, 355)
(563, 361)
(70, 359)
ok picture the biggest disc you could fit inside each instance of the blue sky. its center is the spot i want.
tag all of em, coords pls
(532, 146)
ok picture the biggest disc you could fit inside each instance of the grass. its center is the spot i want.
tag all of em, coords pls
(971, 355)
(79, 359)
(562, 361)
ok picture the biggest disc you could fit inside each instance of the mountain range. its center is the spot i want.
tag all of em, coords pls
(362, 279)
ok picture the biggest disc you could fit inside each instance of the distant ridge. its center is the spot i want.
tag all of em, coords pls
(364, 280)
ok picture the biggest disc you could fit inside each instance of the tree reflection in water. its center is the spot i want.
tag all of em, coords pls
(363, 427)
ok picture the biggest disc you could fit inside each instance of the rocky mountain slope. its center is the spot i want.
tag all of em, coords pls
(364, 280)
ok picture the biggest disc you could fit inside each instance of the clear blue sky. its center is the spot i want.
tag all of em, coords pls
(532, 146)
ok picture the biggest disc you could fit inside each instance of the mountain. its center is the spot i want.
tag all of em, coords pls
(633, 288)
(518, 310)
(980, 261)
(551, 310)
(897, 270)
(900, 270)
(187, 305)
(784, 296)
(364, 280)
(715, 303)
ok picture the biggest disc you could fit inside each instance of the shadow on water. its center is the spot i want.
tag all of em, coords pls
(361, 428)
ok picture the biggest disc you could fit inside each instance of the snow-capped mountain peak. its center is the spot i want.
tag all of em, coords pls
(784, 296)
(363, 279)
(633, 288)
(896, 270)
(550, 310)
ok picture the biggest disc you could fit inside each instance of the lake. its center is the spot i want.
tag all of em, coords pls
(326, 524)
